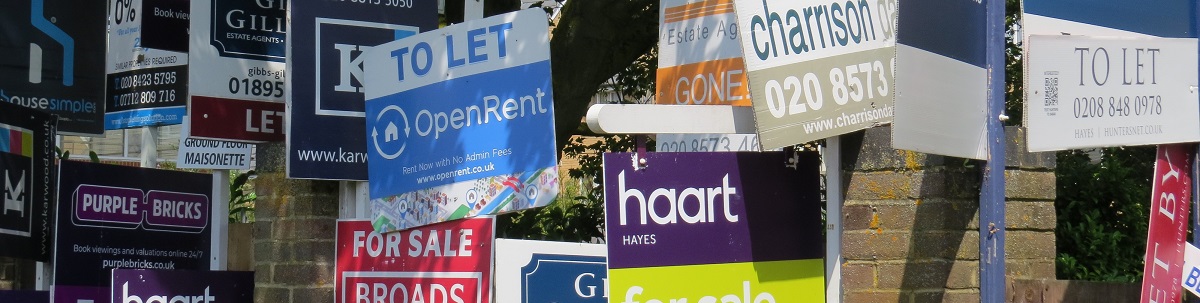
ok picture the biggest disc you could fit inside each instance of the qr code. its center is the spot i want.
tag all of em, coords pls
(1052, 92)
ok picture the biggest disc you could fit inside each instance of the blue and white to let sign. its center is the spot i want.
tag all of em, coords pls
(460, 122)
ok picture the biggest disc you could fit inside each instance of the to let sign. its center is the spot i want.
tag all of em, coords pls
(1165, 244)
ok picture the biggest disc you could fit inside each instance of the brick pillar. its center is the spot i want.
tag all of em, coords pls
(293, 233)
(910, 226)
(8, 273)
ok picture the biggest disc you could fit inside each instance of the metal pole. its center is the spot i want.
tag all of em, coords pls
(219, 243)
(991, 196)
(833, 219)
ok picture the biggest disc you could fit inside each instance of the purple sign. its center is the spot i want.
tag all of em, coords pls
(147, 286)
(126, 217)
(127, 207)
(25, 296)
(734, 207)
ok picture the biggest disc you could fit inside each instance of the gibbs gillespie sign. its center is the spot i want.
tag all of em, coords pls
(702, 227)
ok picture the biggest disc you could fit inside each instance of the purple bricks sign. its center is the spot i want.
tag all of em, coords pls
(150, 286)
(711, 208)
(126, 217)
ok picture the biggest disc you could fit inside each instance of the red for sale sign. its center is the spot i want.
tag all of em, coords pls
(449, 262)
(1165, 241)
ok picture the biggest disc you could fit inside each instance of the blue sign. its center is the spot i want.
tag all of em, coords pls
(564, 278)
(328, 40)
(250, 29)
(1160, 18)
(460, 122)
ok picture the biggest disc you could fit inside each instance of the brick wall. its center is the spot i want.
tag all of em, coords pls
(8, 272)
(911, 220)
(293, 233)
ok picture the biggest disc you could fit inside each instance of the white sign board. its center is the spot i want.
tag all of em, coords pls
(818, 69)
(1191, 270)
(1106, 91)
(706, 142)
(211, 154)
(545, 271)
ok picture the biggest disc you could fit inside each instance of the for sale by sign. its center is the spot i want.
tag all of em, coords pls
(444, 262)
(1165, 240)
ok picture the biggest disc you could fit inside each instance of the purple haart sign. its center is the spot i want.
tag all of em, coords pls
(163, 286)
(733, 207)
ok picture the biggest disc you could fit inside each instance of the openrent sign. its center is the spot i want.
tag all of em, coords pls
(818, 68)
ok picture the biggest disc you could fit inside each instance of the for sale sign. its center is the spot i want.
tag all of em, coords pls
(112, 216)
(238, 87)
(460, 122)
(702, 226)
(444, 262)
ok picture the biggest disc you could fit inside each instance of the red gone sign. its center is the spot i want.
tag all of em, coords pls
(1165, 241)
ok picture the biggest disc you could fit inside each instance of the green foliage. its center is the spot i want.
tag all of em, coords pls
(241, 198)
(1102, 213)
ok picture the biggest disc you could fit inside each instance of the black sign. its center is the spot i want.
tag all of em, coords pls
(113, 216)
(250, 29)
(26, 168)
(53, 60)
(165, 24)
(328, 40)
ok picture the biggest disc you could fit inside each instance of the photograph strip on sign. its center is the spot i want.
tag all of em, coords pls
(941, 79)
(702, 226)
(460, 122)
(112, 216)
(326, 41)
(26, 165)
(181, 286)
(443, 262)
(815, 82)
(550, 271)
(237, 87)
(54, 60)
(1115, 74)
(1166, 238)
(147, 64)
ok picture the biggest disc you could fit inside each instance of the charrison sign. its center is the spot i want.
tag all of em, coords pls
(684, 216)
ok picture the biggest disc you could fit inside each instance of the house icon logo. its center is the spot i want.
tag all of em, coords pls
(395, 131)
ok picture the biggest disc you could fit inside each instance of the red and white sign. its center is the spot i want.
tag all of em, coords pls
(237, 120)
(449, 262)
(1165, 241)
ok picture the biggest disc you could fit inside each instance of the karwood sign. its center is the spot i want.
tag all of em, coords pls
(328, 40)
(548, 271)
(460, 122)
(27, 169)
(706, 226)
(1103, 91)
(818, 69)
(212, 154)
(53, 60)
(449, 262)
(112, 216)
(181, 286)
(238, 88)
(147, 63)
(1166, 237)
(942, 78)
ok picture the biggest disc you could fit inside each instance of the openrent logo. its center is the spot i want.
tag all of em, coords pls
(677, 199)
(392, 122)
